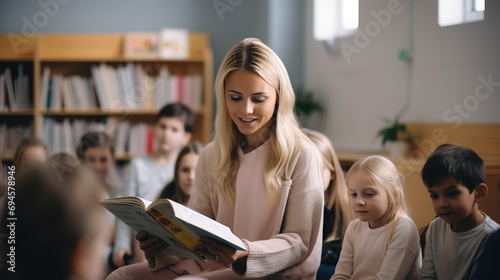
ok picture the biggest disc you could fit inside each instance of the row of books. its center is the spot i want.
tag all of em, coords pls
(11, 136)
(133, 139)
(130, 138)
(15, 92)
(123, 87)
(64, 135)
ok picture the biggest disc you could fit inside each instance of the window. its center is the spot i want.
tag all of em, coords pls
(453, 12)
(335, 18)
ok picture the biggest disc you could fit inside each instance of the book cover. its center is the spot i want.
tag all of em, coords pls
(174, 43)
(141, 45)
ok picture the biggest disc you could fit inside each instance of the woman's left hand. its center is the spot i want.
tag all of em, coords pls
(220, 253)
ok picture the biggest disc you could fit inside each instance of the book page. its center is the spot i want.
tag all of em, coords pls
(199, 225)
(138, 220)
(143, 203)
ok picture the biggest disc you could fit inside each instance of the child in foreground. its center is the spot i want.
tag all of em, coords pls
(383, 242)
(455, 176)
(60, 229)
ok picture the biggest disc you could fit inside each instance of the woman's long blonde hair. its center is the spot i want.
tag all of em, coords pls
(385, 175)
(252, 55)
(336, 196)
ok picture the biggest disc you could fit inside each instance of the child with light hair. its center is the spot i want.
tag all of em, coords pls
(383, 242)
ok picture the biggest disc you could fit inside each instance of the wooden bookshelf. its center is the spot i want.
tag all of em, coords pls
(75, 54)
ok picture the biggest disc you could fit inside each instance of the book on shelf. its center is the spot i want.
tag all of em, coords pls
(10, 90)
(141, 45)
(174, 43)
(44, 87)
(177, 225)
(3, 105)
(122, 132)
(12, 135)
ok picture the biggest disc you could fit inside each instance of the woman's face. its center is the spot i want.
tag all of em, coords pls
(186, 171)
(250, 102)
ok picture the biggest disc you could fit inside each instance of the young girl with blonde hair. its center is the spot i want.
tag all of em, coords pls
(383, 242)
(337, 212)
(261, 177)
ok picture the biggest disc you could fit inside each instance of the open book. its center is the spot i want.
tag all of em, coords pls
(177, 225)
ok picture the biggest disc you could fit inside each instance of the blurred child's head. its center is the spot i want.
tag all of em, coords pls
(325, 147)
(174, 125)
(60, 228)
(376, 191)
(454, 161)
(335, 186)
(454, 177)
(181, 187)
(29, 152)
(97, 151)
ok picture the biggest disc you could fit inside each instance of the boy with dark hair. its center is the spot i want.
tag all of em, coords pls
(455, 176)
(148, 174)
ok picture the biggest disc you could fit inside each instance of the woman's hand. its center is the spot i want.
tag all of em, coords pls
(151, 245)
(220, 253)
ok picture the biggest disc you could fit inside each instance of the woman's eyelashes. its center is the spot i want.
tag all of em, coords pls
(254, 99)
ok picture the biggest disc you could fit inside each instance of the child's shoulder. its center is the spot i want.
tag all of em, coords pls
(356, 225)
(406, 227)
(140, 160)
(407, 222)
(489, 224)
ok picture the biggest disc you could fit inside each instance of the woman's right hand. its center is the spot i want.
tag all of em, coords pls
(151, 245)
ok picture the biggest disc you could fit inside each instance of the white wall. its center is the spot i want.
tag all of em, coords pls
(448, 62)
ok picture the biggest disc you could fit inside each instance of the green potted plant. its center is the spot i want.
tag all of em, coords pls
(305, 105)
(395, 137)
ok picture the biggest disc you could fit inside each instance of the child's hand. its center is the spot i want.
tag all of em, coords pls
(220, 253)
(151, 245)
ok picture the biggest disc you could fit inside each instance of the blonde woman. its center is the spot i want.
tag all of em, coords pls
(337, 213)
(261, 176)
(383, 242)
